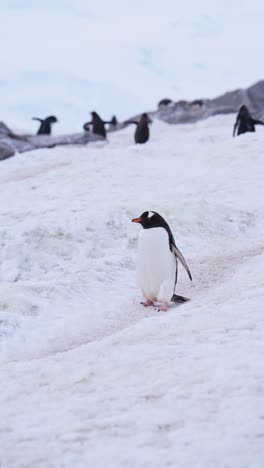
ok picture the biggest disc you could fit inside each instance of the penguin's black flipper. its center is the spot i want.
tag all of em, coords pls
(235, 127)
(179, 299)
(38, 119)
(86, 126)
(257, 122)
(179, 255)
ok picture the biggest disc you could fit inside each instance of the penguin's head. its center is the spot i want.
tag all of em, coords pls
(244, 112)
(52, 119)
(145, 119)
(150, 219)
(95, 117)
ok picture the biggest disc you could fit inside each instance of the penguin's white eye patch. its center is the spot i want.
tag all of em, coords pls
(150, 214)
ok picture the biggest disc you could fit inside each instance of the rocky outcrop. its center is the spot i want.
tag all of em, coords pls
(186, 112)
(192, 111)
(10, 142)
(5, 151)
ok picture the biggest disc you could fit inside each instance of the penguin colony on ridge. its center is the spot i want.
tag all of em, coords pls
(245, 122)
(45, 124)
(157, 265)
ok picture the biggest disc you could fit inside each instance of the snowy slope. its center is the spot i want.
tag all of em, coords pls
(68, 57)
(89, 377)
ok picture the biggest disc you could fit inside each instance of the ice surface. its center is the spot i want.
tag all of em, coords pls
(89, 377)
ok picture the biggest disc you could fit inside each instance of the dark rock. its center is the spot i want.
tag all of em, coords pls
(5, 151)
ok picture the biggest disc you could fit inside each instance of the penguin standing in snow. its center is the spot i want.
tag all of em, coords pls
(98, 125)
(142, 130)
(245, 122)
(113, 122)
(157, 265)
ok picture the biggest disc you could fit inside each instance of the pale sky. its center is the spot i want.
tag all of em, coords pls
(69, 57)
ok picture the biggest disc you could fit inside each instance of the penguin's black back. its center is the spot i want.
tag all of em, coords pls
(142, 130)
(98, 125)
(46, 124)
(245, 121)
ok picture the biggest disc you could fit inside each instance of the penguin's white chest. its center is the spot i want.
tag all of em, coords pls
(156, 265)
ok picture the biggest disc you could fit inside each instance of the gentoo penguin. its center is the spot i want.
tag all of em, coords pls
(157, 265)
(142, 130)
(113, 123)
(164, 103)
(197, 104)
(245, 122)
(45, 124)
(98, 125)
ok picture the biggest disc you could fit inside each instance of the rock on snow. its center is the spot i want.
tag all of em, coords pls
(89, 377)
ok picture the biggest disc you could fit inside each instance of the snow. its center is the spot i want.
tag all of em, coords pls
(89, 377)
(69, 57)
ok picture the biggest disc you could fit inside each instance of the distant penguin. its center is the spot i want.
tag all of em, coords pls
(113, 123)
(157, 265)
(98, 125)
(142, 130)
(164, 103)
(245, 122)
(45, 124)
(197, 104)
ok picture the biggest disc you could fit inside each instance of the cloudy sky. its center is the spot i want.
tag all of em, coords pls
(68, 57)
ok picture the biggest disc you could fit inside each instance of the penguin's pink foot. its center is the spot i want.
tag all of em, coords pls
(147, 303)
(163, 307)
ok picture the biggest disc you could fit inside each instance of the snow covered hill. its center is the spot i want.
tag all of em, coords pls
(69, 57)
(89, 377)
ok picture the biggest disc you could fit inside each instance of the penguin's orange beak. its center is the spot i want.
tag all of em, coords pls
(136, 220)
